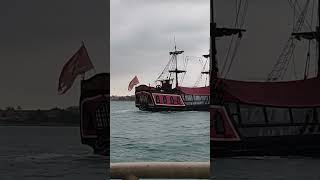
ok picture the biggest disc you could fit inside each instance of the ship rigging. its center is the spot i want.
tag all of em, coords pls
(167, 96)
(272, 117)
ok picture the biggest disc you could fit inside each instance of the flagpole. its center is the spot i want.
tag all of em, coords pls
(83, 75)
(94, 68)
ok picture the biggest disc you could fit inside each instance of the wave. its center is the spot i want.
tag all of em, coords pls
(41, 156)
(123, 111)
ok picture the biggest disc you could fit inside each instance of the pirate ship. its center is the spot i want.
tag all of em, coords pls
(274, 117)
(168, 97)
(94, 113)
(94, 100)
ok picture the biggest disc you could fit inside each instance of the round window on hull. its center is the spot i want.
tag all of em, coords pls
(157, 99)
(164, 99)
(171, 100)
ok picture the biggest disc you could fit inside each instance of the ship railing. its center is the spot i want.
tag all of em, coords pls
(160, 170)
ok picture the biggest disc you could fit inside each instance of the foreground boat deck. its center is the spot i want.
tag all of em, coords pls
(163, 170)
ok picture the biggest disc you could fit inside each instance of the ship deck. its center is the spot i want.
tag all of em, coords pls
(163, 170)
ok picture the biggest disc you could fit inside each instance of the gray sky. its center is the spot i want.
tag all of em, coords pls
(142, 34)
(37, 38)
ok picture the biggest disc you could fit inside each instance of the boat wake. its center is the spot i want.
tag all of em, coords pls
(45, 157)
(123, 111)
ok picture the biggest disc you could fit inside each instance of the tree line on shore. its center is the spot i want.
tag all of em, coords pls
(54, 116)
(122, 98)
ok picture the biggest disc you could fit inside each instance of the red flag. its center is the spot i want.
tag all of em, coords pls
(133, 82)
(79, 63)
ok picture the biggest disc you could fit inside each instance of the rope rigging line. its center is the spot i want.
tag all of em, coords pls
(280, 67)
(293, 30)
(297, 8)
(294, 66)
(233, 57)
(227, 56)
(307, 64)
(200, 75)
(185, 64)
(312, 13)
(165, 70)
(198, 80)
(316, 57)
(232, 38)
(238, 40)
(306, 69)
(292, 51)
(202, 70)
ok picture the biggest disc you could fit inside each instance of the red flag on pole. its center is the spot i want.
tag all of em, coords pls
(79, 63)
(133, 82)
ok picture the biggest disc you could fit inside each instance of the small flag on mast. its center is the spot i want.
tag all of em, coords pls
(78, 64)
(133, 82)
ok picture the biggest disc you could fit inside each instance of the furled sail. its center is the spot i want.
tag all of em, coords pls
(299, 93)
(200, 91)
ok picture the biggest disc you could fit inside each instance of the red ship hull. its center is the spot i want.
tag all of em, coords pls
(158, 99)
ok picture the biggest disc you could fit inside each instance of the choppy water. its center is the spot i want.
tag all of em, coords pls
(158, 136)
(266, 168)
(184, 136)
(55, 153)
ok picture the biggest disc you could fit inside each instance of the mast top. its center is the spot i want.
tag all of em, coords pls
(310, 36)
(176, 52)
(206, 56)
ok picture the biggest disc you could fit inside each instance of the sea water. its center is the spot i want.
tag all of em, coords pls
(140, 136)
(184, 136)
(42, 152)
(266, 168)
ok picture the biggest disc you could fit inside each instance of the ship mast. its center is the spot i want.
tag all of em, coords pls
(213, 68)
(312, 35)
(212, 55)
(207, 73)
(175, 54)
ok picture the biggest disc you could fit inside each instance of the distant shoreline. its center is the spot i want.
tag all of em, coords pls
(123, 98)
(39, 125)
(53, 117)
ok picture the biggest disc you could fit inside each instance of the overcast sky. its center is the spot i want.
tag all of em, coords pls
(142, 33)
(37, 37)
